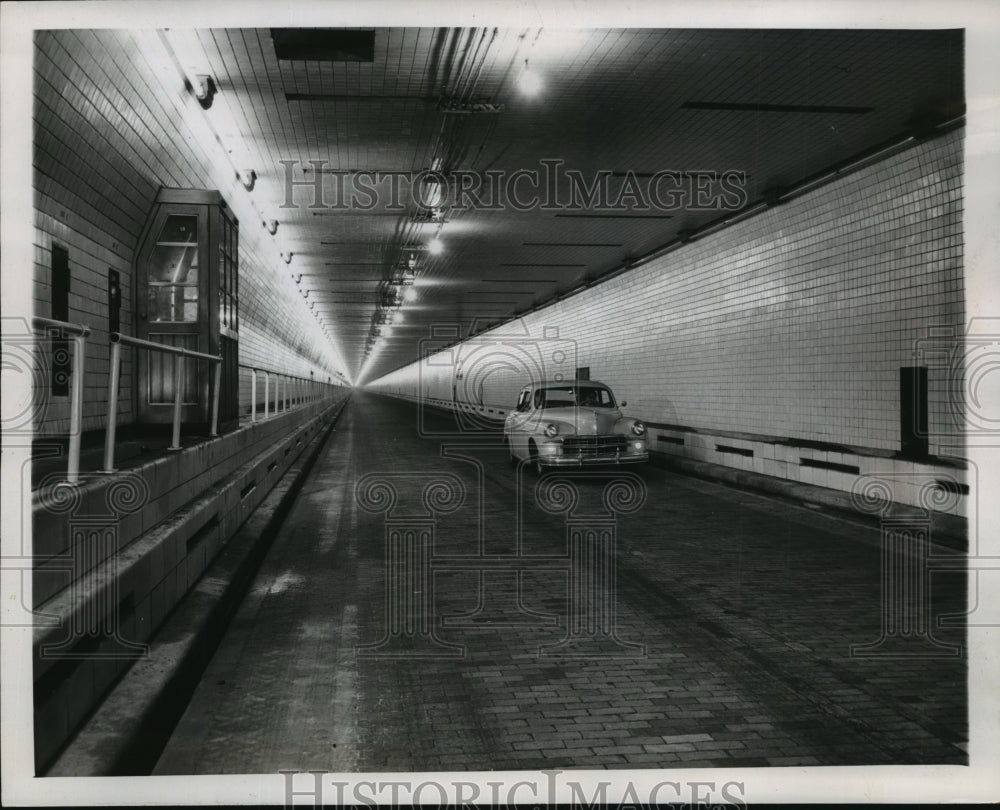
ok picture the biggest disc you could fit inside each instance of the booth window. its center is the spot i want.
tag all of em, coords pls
(173, 272)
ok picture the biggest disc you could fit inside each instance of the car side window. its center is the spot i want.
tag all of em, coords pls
(523, 401)
(539, 398)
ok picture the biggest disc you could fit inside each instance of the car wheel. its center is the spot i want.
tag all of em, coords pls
(535, 463)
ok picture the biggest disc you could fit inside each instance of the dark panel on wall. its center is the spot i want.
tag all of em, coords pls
(60, 312)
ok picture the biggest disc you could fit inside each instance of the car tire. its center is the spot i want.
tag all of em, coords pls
(533, 457)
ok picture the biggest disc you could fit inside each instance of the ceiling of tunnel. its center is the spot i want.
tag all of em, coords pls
(364, 113)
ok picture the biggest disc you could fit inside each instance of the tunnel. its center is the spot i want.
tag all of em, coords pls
(495, 398)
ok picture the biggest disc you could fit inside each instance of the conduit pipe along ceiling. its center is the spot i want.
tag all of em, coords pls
(495, 169)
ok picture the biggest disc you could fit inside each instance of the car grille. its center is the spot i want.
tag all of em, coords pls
(593, 445)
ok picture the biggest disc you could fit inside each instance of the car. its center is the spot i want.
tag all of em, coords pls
(572, 424)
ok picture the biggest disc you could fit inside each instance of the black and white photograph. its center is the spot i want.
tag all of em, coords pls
(496, 404)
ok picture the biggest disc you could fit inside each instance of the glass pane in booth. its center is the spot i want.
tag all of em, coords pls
(173, 303)
(174, 259)
(179, 229)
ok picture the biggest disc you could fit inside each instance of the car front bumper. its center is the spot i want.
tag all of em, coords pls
(578, 460)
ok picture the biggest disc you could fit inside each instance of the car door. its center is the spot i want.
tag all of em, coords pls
(518, 424)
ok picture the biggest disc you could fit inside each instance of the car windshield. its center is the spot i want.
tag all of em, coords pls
(587, 396)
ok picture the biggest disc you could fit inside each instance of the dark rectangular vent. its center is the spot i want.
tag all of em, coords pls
(615, 216)
(196, 538)
(522, 281)
(779, 108)
(248, 489)
(324, 44)
(670, 439)
(951, 486)
(355, 97)
(271, 466)
(829, 465)
(572, 244)
(736, 451)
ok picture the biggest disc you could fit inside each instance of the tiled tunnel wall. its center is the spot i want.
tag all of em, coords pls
(106, 139)
(793, 323)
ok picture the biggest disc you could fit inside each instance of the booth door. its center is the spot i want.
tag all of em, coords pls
(171, 281)
(229, 322)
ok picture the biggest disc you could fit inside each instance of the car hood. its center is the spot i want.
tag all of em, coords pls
(582, 421)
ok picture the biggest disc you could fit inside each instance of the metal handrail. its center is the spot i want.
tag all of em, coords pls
(117, 341)
(289, 390)
(79, 333)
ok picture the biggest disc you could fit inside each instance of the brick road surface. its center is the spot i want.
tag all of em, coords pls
(734, 617)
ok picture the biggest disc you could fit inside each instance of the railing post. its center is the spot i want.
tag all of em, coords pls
(215, 399)
(267, 392)
(253, 395)
(109, 431)
(76, 409)
(178, 378)
(286, 392)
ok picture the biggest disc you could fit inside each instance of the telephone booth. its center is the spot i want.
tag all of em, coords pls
(187, 295)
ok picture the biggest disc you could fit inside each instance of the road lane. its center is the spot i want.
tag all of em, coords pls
(733, 619)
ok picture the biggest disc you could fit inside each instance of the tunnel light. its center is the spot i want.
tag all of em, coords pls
(529, 82)
(435, 246)
(204, 90)
(431, 193)
(248, 177)
(410, 295)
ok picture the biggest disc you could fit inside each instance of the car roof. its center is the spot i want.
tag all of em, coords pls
(565, 383)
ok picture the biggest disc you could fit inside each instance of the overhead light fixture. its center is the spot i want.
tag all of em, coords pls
(248, 177)
(529, 82)
(204, 90)
(435, 246)
(410, 295)
(431, 193)
(425, 214)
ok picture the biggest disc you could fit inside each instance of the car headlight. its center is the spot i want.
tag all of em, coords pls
(551, 431)
(638, 428)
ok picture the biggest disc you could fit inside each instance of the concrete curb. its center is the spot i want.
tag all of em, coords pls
(950, 530)
(128, 730)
